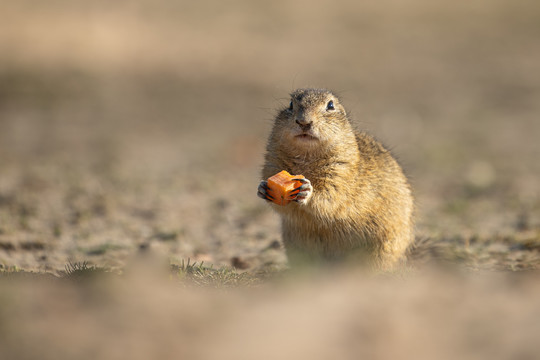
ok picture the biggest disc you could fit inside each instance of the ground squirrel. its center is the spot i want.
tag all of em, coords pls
(355, 201)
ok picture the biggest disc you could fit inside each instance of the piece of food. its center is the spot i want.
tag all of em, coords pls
(281, 187)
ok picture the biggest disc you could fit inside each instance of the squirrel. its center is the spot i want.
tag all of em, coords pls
(355, 202)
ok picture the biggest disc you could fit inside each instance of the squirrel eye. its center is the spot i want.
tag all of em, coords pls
(330, 105)
(290, 106)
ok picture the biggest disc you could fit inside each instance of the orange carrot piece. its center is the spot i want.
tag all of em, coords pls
(281, 185)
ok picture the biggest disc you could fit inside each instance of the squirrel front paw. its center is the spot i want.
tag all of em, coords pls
(300, 194)
(262, 191)
(304, 191)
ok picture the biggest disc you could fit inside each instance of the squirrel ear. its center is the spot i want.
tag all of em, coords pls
(291, 105)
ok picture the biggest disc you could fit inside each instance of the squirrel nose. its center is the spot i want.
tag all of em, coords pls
(303, 121)
(304, 124)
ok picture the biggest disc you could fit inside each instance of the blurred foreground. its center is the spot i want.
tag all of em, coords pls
(144, 124)
(336, 314)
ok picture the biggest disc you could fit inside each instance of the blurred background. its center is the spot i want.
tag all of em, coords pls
(143, 123)
(133, 125)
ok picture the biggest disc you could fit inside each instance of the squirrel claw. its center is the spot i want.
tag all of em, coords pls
(302, 180)
(303, 193)
(302, 187)
(262, 191)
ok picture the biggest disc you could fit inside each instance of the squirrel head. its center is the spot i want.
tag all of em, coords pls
(314, 118)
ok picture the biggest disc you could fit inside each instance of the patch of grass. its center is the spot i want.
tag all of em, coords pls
(187, 273)
(82, 271)
(225, 277)
(8, 269)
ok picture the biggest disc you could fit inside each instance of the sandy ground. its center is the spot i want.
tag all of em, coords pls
(142, 125)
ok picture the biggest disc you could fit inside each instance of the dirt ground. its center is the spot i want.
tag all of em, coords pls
(130, 127)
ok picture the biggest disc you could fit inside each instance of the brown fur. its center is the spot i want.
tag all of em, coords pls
(361, 203)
